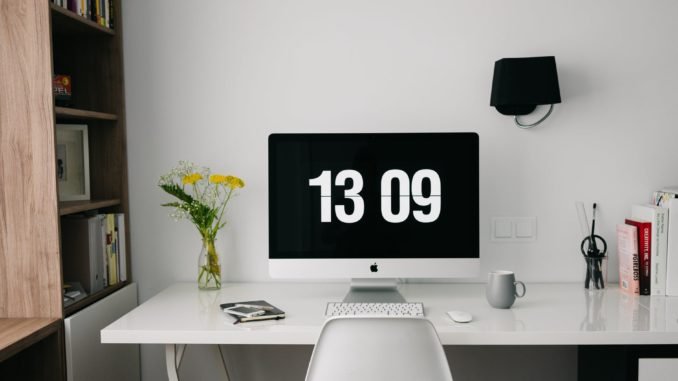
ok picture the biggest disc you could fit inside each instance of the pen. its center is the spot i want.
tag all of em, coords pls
(593, 247)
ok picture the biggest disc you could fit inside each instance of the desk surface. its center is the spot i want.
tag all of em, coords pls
(550, 314)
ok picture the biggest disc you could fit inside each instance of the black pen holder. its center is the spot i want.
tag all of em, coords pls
(596, 273)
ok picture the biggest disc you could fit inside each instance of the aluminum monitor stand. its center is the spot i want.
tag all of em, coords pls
(374, 291)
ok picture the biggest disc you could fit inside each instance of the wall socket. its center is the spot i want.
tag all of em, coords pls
(513, 229)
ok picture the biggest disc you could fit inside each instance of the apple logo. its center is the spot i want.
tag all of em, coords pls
(374, 268)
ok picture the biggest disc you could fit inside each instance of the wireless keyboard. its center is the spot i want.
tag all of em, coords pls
(374, 309)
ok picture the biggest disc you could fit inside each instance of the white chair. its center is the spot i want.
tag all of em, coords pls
(376, 348)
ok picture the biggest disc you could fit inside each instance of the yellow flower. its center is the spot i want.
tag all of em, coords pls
(218, 179)
(191, 179)
(235, 182)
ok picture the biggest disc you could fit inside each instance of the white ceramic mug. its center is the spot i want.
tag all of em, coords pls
(501, 290)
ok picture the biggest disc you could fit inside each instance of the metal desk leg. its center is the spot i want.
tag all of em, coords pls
(174, 353)
(223, 361)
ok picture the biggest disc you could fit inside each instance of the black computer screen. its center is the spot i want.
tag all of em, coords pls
(381, 195)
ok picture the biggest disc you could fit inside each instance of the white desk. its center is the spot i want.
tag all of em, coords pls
(550, 314)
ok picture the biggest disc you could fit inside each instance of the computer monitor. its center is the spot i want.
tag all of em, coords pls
(369, 206)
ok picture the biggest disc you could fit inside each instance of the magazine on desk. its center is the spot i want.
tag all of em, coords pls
(272, 312)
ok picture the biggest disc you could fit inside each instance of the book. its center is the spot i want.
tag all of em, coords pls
(82, 251)
(627, 252)
(110, 14)
(97, 12)
(122, 248)
(110, 250)
(104, 254)
(644, 247)
(273, 314)
(105, 11)
(658, 217)
(61, 86)
(666, 198)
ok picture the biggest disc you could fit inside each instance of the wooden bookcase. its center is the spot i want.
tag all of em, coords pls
(92, 56)
(39, 39)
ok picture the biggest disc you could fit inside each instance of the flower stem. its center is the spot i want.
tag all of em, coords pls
(209, 275)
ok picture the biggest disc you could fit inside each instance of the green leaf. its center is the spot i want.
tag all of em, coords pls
(177, 192)
(173, 204)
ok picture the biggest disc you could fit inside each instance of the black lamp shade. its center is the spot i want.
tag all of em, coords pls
(520, 84)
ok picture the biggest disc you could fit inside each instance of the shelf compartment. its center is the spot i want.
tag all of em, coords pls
(17, 334)
(93, 298)
(74, 113)
(70, 207)
(67, 22)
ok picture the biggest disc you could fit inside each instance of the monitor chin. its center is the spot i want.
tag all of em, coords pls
(375, 268)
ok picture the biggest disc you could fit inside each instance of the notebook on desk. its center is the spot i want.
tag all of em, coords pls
(272, 312)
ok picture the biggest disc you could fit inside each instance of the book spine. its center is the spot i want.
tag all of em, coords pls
(97, 10)
(99, 254)
(111, 9)
(102, 15)
(106, 13)
(658, 217)
(116, 247)
(104, 249)
(110, 226)
(644, 248)
(660, 230)
(93, 10)
(672, 247)
(92, 234)
(627, 252)
(122, 246)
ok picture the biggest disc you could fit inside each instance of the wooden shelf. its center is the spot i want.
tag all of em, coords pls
(46, 39)
(67, 22)
(91, 299)
(74, 113)
(19, 333)
(70, 207)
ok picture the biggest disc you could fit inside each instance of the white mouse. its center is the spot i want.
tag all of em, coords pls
(460, 316)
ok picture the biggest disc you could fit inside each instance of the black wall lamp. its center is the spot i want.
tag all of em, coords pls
(520, 84)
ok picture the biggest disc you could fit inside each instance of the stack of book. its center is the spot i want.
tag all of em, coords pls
(99, 11)
(94, 250)
(647, 246)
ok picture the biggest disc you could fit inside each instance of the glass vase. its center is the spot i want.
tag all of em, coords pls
(209, 266)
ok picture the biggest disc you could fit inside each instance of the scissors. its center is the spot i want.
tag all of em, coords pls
(593, 254)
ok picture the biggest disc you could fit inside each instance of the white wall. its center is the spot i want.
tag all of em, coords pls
(208, 81)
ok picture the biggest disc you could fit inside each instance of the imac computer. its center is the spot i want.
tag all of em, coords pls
(373, 207)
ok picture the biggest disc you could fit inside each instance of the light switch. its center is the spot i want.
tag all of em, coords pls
(514, 229)
(523, 229)
(503, 228)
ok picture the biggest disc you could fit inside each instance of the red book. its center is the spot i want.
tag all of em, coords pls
(644, 232)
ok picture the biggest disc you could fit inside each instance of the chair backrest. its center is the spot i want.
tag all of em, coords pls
(375, 349)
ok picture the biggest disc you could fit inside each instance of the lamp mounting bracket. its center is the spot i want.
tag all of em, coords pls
(526, 126)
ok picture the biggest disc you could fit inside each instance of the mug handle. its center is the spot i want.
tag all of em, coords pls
(524, 288)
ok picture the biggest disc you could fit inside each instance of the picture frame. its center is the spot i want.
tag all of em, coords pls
(72, 162)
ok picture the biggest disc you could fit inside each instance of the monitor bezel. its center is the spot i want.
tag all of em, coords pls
(362, 268)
